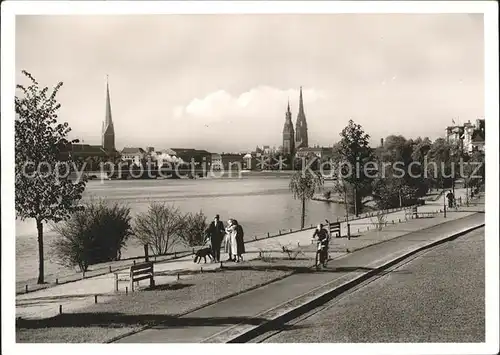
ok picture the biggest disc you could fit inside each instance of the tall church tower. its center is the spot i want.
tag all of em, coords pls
(301, 126)
(108, 130)
(288, 133)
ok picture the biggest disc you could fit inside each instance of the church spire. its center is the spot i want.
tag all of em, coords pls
(301, 103)
(109, 120)
(288, 133)
(108, 134)
(301, 125)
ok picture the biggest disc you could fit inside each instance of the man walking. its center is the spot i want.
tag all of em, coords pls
(216, 232)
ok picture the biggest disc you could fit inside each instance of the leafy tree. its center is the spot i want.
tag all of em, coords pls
(401, 181)
(473, 171)
(93, 235)
(353, 151)
(159, 227)
(303, 185)
(192, 229)
(43, 190)
(441, 157)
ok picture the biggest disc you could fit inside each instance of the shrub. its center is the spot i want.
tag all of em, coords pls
(192, 229)
(93, 235)
(327, 194)
(158, 227)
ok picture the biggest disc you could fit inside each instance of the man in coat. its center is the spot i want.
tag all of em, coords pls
(216, 232)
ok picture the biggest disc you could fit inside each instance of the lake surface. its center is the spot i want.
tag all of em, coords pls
(260, 204)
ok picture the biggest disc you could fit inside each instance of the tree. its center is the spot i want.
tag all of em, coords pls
(43, 190)
(303, 185)
(93, 235)
(401, 181)
(472, 171)
(192, 230)
(353, 151)
(158, 227)
(442, 159)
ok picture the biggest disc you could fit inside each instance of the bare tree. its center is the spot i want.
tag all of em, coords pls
(158, 227)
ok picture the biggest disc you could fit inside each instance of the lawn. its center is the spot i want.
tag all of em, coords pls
(127, 312)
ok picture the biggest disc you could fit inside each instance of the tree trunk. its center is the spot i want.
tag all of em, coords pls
(39, 227)
(356, 205)
(303, 215)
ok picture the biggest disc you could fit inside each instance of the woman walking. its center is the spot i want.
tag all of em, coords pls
(240, 244)
(230, 241)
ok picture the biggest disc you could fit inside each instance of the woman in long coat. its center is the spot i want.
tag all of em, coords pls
(240, 244)
(230, 240)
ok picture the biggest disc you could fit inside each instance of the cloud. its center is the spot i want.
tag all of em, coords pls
(257, 103)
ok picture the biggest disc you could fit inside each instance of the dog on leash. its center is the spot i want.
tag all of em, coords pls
(203, 253)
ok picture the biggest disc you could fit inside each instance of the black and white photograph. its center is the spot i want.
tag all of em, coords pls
(250, 172)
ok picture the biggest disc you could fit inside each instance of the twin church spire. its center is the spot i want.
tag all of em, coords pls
(295, 139)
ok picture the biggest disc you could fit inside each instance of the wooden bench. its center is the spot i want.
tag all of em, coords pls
(334, 227)
(137, 273)
(415, 214)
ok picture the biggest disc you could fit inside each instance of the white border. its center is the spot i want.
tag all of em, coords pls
(11, 8)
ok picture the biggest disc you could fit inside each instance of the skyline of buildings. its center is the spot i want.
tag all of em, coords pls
(295, 142)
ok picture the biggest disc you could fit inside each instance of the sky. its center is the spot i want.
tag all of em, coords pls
(222, 82)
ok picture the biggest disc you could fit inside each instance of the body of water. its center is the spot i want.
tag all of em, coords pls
(260, 204)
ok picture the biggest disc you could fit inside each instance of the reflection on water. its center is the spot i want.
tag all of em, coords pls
(261, 205)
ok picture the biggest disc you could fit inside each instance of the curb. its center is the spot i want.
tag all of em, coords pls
(328, 295)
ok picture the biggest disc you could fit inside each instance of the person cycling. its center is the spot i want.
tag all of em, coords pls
(323, 240)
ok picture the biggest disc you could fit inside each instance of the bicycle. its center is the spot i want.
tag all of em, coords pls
(321, 257)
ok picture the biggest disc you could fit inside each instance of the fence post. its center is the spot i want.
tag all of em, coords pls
(146, 253)
(60, 309)
(116, 282)
(348, 231)
(132, 280)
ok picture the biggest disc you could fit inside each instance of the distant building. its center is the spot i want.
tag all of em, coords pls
(198, 156)
(93, 155)
(249, 161)
(232, 161)
(288, 133)
(469, 137)
(216, 161)
(134, 155)
(323, 153)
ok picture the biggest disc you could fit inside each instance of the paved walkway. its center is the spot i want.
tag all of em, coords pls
(76, 295)
(222, 321)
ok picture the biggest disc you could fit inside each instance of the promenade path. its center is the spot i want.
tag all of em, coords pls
(79, 294)
(222, 321)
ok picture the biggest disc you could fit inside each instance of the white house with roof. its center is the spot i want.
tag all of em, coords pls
(133, 154)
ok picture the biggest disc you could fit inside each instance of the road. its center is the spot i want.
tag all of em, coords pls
(438, 296)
